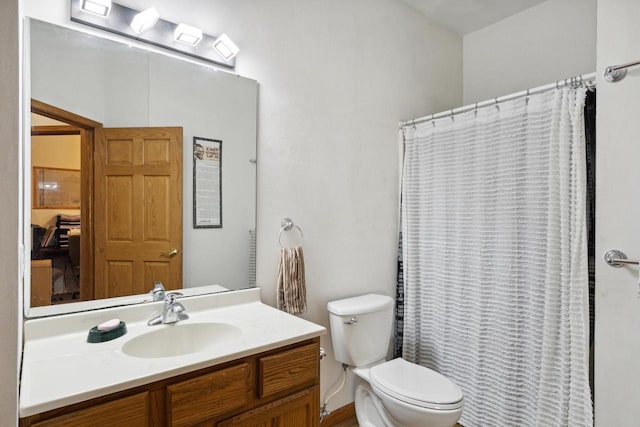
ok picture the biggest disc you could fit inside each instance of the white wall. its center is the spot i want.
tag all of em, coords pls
(56, 151)
(548, 42)
(617, 357)
(335, 79)
(10, 143)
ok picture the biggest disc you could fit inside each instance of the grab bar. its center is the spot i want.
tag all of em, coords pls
(616, 258)
(615, 73)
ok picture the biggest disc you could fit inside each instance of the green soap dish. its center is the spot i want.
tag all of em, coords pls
(96, 336)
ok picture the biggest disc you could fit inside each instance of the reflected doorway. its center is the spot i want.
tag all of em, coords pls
(62, 200)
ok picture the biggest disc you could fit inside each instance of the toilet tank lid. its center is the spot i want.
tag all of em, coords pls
(363, 304)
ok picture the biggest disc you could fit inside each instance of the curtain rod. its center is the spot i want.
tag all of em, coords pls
(587, 80)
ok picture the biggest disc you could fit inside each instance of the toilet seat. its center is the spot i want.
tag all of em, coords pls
(416, 385)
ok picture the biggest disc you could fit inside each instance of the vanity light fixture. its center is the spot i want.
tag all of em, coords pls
(148, 27)
(225, 47)
(145, 20)
(187, 34)
(97, 7)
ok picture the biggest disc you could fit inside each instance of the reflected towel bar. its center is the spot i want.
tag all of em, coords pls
(616, 258)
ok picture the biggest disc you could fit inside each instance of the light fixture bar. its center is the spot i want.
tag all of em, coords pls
(161, 34)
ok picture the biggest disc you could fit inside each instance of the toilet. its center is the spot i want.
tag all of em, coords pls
(394, 393)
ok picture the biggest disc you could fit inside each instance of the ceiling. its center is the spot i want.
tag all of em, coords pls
(462, 16)
(466, 16)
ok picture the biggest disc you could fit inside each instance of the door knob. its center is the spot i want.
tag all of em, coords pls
(173, 252)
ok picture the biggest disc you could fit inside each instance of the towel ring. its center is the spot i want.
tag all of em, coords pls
(287, 224)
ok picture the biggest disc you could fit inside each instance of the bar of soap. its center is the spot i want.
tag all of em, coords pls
(109, 325)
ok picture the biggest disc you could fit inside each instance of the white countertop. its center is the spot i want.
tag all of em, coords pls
(60, 368)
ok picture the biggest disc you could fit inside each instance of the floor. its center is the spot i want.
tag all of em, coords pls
(352, 422)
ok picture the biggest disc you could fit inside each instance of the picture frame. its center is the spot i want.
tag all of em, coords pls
(56, 188)
(207, 183)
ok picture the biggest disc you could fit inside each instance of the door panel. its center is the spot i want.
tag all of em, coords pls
(157, 194)
(138, 194)
(119, 205)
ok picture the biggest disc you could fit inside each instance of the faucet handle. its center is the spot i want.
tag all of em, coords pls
(158, 291)
(171, 297)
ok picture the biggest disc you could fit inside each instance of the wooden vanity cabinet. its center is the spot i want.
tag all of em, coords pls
(278, 388)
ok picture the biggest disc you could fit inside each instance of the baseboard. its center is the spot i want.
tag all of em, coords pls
(338, 415)
(344, 413)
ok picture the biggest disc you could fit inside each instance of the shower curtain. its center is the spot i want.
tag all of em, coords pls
(495, 258)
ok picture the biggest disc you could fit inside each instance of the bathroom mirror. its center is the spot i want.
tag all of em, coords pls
(119, 85)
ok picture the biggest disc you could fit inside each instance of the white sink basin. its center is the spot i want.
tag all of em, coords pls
(179, 339)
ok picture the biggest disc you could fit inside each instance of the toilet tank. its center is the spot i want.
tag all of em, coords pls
(361, 328)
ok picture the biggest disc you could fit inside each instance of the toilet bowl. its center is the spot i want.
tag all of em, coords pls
(394, 393)
(399, 393)
(369, 409)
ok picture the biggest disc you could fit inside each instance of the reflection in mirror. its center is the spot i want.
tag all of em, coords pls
(118, 86)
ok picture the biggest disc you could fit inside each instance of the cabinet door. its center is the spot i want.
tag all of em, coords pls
(297, 410)
(132, 411)
(208, 396)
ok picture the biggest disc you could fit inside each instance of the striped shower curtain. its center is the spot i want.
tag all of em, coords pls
(495, 258)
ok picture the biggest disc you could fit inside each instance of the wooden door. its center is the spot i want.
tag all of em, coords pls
(138, 210)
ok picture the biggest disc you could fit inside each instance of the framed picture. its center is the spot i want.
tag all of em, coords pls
(56, 188)
(207, 183)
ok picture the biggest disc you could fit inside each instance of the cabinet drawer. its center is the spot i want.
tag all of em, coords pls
(288, 369)
(210, 395)
(129, 411)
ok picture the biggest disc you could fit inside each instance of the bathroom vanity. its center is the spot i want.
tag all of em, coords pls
(240, 363)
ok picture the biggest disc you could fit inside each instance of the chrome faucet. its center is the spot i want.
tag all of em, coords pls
(172, 310)
(158, 291)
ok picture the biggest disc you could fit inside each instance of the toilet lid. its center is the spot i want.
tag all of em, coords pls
(416, 385)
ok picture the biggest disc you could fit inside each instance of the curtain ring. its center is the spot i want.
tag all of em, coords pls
(475, 110)
(452, 119)
(497, 106)
(413, 123)
(526, 100)
(557, 84)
